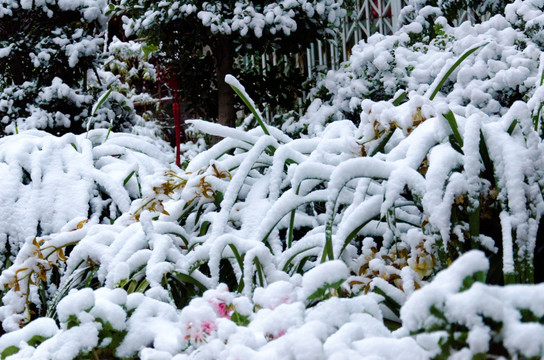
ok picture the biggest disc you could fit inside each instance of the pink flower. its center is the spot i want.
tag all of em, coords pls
(197, 333)
(208, 327)
(222, 309)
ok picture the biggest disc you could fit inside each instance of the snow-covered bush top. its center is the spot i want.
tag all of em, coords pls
(241, 18)
(90, 10)
(455, 316)
(46, 182)
(489, 81)
(51, 53)
(56, 40)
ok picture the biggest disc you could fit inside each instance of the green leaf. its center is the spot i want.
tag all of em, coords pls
(324, 291)
(381, 145)
(127, 179)
(392, 325)
(72, 321)
(148, 49)
(101, 100)
(452, 69)
(10, 350)
(488, 172)
(288, 262)
(398, 100)
(512, 127)
(183, 287)
(260, 271)
(391, 304)
(239, 259)
(240, 320)
(250, 106)
(204, 228)
(439, 314)
(218, 199)
(454, 128)
(144, 284)
(474, 225)
(227, 274)
(478, 276)
(188, 210)
(108, 332)
(189, 279)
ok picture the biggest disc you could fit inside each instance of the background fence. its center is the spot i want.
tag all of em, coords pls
(364, 18)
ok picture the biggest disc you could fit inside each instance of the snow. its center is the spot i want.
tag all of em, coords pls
(277, 246)
(242, 18)
(328, 273)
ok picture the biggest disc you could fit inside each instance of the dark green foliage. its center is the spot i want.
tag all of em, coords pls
(198, 55)
(52, 51)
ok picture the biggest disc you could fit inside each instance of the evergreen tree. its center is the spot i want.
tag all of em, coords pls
(50, 53)
(199, 38)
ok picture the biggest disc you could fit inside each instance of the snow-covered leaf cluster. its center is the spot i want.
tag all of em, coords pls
(127, 59)
(51, 73)
(52, 185)
(243, 18)
(490, 80)
(44, 55)
(455, 315)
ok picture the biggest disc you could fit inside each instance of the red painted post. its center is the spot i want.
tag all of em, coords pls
(166, 77)
(177, 119)
(177, 127)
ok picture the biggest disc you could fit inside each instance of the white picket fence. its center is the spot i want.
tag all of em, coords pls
(366, 18)
(369, 17)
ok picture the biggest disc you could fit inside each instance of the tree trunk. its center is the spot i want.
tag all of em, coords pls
(17, 70)
(224, 59)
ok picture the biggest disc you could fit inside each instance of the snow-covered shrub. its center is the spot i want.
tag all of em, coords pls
(51, 53)
(57, 184)
(484, 82)
(136, 77)
(527, 16)
(46, 52)
(397, 198)
(217, 325)
(351, 221)
(382, 67)
(455, 316)
(452, 10)
(464, 318)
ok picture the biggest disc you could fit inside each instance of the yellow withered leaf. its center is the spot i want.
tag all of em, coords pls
(60, 255)
(81, 224)
(41, 275)
(19, 270)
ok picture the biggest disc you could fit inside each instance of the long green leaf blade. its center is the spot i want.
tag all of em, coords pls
(240, 91)
(452, 69)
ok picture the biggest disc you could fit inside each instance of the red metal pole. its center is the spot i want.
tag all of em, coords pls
(177, 125)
